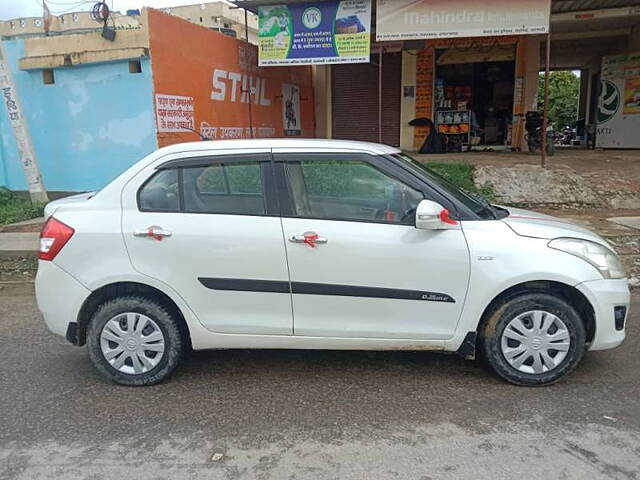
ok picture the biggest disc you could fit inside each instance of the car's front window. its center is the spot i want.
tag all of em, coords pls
(474, 202)
(343, 187)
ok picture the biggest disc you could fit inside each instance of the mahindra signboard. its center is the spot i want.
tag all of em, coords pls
(424, 19)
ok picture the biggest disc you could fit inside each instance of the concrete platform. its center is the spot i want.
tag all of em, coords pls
(575, 178)
(16, 244)
(631, 222)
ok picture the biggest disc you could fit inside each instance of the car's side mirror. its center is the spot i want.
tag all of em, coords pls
(433, 216)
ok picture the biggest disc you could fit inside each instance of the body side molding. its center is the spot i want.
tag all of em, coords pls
(304, 288)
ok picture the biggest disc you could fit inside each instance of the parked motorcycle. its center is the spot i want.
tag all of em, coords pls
(567, 136)
(533, 126)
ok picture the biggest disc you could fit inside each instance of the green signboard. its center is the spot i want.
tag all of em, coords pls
(315, 33)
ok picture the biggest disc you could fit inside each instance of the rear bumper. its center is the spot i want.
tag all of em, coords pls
(605, 296)
(59, 297)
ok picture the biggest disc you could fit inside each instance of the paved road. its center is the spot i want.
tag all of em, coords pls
(309, 415)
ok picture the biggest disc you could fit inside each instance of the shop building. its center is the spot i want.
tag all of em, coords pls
(592, 36)
(471, 87)
(476, 87)
(219, 16)
(496, 76)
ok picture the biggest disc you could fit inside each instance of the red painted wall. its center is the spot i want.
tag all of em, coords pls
(202, 79)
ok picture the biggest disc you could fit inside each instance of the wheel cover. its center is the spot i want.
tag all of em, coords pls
(535, 342)
(132, 343)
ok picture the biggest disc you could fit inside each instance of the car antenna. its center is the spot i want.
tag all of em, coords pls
(202, 137)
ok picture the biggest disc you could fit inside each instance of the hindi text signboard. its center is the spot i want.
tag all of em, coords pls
(314, 33)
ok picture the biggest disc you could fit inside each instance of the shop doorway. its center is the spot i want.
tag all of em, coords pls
(354, 100)
(567, 105)
(474, 97)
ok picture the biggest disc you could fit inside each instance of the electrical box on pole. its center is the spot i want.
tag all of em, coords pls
(26, 152)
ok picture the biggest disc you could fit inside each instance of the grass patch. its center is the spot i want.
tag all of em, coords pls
(14, 208)
(461, 175)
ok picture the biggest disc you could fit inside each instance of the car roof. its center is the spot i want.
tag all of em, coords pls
(114, 188)
(310, 143)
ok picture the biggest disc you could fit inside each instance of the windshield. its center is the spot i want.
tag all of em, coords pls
(475, 202)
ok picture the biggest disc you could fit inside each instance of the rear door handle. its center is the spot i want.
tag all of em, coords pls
(157, 233)
(310, 238)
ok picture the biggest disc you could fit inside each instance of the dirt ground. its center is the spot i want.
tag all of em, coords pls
(625, 240)
(17, 269)
(574, 178)
(581, 160)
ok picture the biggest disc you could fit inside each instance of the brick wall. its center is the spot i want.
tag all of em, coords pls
(424, 91)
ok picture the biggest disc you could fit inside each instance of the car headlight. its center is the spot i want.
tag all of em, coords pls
(602, 258)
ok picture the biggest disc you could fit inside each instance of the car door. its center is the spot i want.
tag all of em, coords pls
(358, 266)
(209, 227)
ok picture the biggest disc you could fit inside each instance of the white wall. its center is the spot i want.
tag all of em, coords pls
(407, 104)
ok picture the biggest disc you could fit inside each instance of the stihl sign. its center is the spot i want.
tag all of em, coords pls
(235, 86)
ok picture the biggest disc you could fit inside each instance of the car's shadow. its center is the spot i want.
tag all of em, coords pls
(328, 363)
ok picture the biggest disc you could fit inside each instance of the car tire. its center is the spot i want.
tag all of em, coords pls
(125, 336)
(533, 339)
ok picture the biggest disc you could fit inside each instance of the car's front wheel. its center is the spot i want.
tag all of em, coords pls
(533, 339)
(134, 340)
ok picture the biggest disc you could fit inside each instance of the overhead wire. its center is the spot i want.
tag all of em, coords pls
(71, 6)
(63, 4)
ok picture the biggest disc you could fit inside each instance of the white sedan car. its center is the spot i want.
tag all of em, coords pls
(318, 244)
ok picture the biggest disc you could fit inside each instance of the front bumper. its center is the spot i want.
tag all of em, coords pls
(605, 296)
(59, 297)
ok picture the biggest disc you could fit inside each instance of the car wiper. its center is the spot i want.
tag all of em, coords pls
(485, 203)
(505, 212)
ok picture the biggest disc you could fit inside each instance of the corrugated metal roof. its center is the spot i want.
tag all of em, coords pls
(562, 6)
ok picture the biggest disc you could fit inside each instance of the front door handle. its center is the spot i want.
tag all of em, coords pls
(310, 238)
(157, 233)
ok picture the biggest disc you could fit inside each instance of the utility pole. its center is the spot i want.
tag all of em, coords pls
(26, 151)
(246, 39)
(380, 94)
(545, 115)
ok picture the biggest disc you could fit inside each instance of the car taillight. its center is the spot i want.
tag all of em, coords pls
(53, 237)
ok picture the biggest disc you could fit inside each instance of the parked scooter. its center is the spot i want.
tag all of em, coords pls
(533, 125)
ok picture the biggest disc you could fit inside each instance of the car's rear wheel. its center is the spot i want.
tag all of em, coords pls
(134, 341)
(533, 339)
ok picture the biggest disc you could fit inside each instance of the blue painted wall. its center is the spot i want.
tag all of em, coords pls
(3, 180)
(89, 126)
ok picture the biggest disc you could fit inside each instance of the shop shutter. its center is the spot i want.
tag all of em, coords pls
(354, 98)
